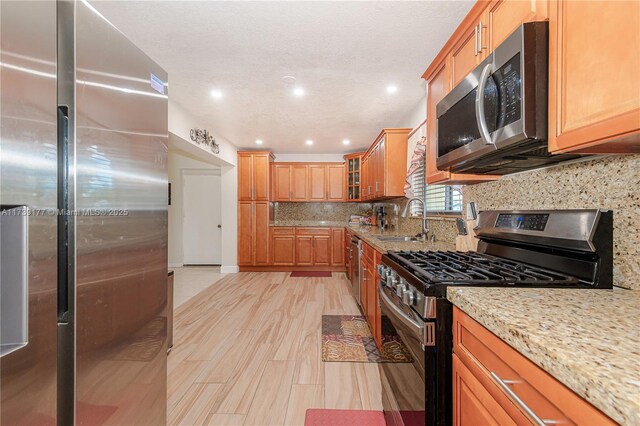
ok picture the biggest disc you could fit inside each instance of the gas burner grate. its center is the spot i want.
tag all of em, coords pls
(477, 268)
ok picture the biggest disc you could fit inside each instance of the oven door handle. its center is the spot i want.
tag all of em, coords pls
(409, 322)
(480, 113)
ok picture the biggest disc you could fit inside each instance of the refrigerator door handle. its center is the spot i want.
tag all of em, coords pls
(63, 218)
(14, 278)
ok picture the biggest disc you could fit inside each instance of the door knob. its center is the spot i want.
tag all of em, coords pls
(219, 226)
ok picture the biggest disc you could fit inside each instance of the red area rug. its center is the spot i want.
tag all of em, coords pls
(311, 274)
(321, 417)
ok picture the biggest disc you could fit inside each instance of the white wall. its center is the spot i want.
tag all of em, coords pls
(181, 123)
(183, 153)
(415, 119)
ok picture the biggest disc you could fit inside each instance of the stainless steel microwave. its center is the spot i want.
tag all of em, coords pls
(495, 120)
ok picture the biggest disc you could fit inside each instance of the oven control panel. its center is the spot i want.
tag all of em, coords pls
(527, 221)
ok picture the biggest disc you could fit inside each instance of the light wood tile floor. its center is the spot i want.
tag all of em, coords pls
(247, 351)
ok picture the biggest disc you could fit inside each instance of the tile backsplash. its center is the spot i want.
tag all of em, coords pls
(609, 183)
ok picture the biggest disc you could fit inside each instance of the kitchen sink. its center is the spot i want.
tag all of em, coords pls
(399, 239)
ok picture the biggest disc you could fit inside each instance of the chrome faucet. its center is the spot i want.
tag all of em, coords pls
(425, 224)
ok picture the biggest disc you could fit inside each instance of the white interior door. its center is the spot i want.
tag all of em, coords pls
(202, 233)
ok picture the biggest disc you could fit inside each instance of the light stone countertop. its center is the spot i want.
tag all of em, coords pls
(586, 339)
(369, 235)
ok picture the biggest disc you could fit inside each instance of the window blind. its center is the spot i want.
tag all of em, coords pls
(439, 198)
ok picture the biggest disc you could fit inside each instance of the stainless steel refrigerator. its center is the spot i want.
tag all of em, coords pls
(83, 188)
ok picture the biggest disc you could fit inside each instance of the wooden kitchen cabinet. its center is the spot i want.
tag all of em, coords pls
(304, 250)
(322, 250)
(481, 359)
(254, 210)
(502, 17)
(281, 182)
(377, 315)
(472, 403)
(299, 182)
(254, 175)
(465, 56)
(337, 247)
(594, 64)
(353, 166)
(317, 182)
(283, 246)
(384, 165)
(335, 182)
(253, 233)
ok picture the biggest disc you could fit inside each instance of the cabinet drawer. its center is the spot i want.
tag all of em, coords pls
(313, 231)
(508, 375)
(368, 252)
(279, 230)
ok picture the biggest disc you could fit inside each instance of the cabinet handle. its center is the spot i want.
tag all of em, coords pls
(376, 186)
(504, 385)
(480, 46)
(475, 41)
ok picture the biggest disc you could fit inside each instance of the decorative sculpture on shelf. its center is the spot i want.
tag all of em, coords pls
(202, 136)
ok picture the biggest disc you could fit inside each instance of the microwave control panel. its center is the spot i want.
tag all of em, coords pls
(509, 84)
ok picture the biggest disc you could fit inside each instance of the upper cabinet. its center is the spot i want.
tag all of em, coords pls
(353, 165)
(308, 182)
(594, 92)
(253, 175)
(384, 165)
(594, 64)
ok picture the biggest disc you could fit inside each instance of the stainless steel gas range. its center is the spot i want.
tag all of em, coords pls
(556, 248)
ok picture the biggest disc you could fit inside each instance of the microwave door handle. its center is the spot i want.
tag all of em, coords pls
(480, 114)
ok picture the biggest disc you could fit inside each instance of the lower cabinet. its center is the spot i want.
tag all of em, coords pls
(300, 246)
(283, 246)
(495, 384)
(253, 233)
(369, 279)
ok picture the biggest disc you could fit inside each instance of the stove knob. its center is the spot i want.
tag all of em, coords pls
(382, 270)
(408, 297)
(400, 288)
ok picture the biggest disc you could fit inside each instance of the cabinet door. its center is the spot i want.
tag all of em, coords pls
(381, 170)
(365, 190)
(377, 315)
(261, 177)
(322, 250)
(261, 233)
(304, 250)
(245, 233)
(365, 274)
(317, 182)
(335, 177)
(438, 87)
(337, 247)
(283, 249)
(472, 403)
(299, 185)
(502, 17)
(282, 184)
(594, 89)
(465, 56)
(245, 177)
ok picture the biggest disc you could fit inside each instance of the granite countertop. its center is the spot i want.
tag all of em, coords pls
(369, 235)
(309, 223)
(586, 339)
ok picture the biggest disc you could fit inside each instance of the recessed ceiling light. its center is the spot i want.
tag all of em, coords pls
(258, 141)
(392, 89)
(298, 91)
(346, 142)
(309, 142)
(216, 94)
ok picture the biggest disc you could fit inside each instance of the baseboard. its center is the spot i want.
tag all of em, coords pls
(271, 268)
(229, 269)
(176, 265)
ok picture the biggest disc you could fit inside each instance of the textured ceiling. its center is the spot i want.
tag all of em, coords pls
(344, 54)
